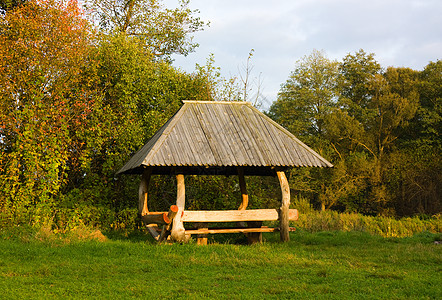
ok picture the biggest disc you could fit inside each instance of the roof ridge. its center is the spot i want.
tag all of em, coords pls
(218, 102)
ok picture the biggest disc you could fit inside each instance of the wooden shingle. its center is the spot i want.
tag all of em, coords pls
(208, 137)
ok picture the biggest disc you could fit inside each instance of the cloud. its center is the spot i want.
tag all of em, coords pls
(400, 32)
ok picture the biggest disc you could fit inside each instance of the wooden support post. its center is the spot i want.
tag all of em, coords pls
(201, 239)
(252, 237)
(284, 209)
(178, 233)
(243, 188)
(143, 192)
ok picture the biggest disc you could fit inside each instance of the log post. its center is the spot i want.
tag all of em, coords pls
(243, 188)
(178, 232)
(143, 192)
(252, 237)
(284, 209)
(201, 239)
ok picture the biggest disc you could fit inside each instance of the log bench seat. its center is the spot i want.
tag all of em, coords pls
(253, 218)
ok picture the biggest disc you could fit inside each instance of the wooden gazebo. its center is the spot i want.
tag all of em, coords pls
(219, 138)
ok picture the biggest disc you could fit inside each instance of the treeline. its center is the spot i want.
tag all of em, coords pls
(380, 128)
(78, 100)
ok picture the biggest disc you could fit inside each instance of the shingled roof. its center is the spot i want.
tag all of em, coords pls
(208, 137)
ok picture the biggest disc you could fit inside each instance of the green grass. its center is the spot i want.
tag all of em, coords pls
(323, 265)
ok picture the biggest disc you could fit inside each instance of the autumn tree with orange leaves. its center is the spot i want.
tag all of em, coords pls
(43, 46)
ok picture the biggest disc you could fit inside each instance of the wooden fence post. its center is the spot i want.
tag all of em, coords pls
(284, 210)
(178, 232)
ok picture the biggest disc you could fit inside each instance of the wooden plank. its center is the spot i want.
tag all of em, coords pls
(234, 230)
(218, 131)
(263, 142)
(215, 148)
(236, 215)
(231, 134)
(251, 145)
(240, 136)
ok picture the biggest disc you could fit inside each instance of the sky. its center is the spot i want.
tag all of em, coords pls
(401, 33)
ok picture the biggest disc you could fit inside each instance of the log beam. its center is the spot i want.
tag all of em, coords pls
(162, 218)
(234, 230)
(236, 215)
(284, 209)
(165, 232)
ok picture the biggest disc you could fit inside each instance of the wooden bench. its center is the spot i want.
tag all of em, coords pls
(249, 221)
(253, 217)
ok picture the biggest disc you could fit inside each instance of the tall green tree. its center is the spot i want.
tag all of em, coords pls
(307, 97)
(164, 31)
(357, 118)
(304, 105)
(416, 176)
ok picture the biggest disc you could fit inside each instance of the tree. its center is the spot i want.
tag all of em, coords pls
(304, 104)
(416, 173)
(307, 97)
(164, 31)
(373, 108)
(43, 45)
(6, 5)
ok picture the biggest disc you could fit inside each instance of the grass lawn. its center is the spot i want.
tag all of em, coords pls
(324, 265)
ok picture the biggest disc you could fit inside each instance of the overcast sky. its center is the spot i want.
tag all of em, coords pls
(401, 33)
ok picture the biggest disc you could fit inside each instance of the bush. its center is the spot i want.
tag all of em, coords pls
(315, 221)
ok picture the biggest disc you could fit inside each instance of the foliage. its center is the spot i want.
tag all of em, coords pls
(316, 221)
(75, 107)
(308, 96)
(43, 46)
(77, 103)
(371, 123)
(162, 30)
(6, 5)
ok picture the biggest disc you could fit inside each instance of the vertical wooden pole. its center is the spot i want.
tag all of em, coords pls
(252, 237)
(143, 192)
(284, 210)
(178, 232)
(143, 195)
(243, 188)
(201, 239)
